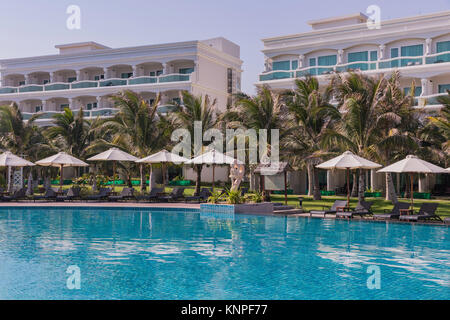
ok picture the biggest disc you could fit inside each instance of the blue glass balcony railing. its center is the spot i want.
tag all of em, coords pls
(56, 86)
(31, 88)
(84, 84)
(8, 90)
(112, 82)
(142, 80)
(438, 58)
(173, 78)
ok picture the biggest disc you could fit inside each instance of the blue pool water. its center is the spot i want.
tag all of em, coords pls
(133, 254)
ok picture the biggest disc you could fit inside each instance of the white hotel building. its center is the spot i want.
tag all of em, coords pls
(84, 75)
(419, 47)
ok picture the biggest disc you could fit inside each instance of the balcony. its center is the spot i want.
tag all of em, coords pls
(398, 62)
(48, 115)
(428, 101)
(84, 84)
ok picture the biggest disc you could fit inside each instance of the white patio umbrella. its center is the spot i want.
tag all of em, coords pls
(162, 157)
(114, 155)
(412, 164)
(8, 159)
(213, 157)
(348, 161)
(61, 160)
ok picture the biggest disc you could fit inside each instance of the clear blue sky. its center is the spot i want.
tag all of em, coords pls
(33, 27)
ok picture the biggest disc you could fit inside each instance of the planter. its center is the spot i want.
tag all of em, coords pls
(180, 183)
(289, 191)
(373, 194)
(258, 208)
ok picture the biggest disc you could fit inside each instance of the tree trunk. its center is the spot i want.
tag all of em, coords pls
(198, 182)
(309, 168)
(355, 184)
(316, 194)
(141, 170)
(390, 190)
(407, 187)
(361, 185)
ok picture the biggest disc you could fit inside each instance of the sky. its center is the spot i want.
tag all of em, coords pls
(34, 27)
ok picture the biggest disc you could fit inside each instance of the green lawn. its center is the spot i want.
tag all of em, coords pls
(308, 204)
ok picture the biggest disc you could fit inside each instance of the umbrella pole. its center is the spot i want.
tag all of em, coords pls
(150, 177)
(61, 178)
(412, 196)
(213, 177)
(348, 187)
(163, 167)
(114, 177)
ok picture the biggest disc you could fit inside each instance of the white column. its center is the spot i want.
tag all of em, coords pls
(301, 61)
(428, 48)
(135, 71)
(382, 52)
(99, 102)
(71, 101)
(105, 71)
(425, 86)
(44, 105)
(52, 77)
(164, 65)
(423, 183)
(78, 75)
(27, 79)
(340, 57)
(330, 181)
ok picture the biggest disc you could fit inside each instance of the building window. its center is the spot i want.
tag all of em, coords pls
(294, 64)
(281, 65)
(99, 77)
(358, 56)
(373, 55)
(417, 91)
(21, 83)
(186, 70)
(71, 79)
(327, 60)
(126, 75)
(443, 88)
(46, 81)
(159, 72)
(443, 46)
(176, 101)
(412, 51)
(63, 106)
(38, 109)
(312, 62)
(230, 80)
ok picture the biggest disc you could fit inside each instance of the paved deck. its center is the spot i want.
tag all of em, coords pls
(101, 204)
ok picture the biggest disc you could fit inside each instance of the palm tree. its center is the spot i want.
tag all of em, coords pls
(70, 132)
(359, 98)
(195, 108)
(136, 128)
(266, 110)
(442, 123)
(313, 116)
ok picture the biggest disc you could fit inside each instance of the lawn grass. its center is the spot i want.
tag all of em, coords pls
(309, 204)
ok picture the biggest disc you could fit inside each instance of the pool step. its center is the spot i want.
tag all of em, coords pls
(288, 211)
(282, 207)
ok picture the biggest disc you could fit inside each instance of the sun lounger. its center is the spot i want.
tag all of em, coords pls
(72, 194)
(18, 195)
(426, 212)
(153, 195)
(394, 213)
(363, 208)
(176, 194)
(333, 209)
(126, 194)
(103, 194)
(49, 195)
(205, 193)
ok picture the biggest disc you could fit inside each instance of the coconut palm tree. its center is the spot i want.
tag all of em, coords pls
(313, 116)
(21, 137)
(195, 109)
(442, 123)
(136, 128)
(264, 111)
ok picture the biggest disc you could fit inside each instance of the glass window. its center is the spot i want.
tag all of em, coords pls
(417, 91)
(443, 88)
(71, 79)
(312, 62)
(443, 46)
(126, 75)
(159, 72)
(327, 60)
(63, 106)
(38, 109)
(89, 106)
(294, 64)
(394, 52)
(46, 81)
(21, 83)
(358, 56)
(373, 55)
(186, 70)
(281, 65)
(412, 51)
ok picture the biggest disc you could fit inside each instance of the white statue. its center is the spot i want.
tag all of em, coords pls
(237, 172)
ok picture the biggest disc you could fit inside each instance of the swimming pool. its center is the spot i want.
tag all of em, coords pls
(168, 254)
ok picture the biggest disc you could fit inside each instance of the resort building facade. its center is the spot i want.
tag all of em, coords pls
(419, 47)
(84, 75)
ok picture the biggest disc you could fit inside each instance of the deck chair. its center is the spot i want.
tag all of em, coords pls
(324, 212)
(126, 194)
(363, 208)
(152, 195)
(394, 213)
(426, 212)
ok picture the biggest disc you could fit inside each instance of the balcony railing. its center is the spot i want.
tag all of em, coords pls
(47, 115)
(83, 84)
(398, 62)
(430, 100)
